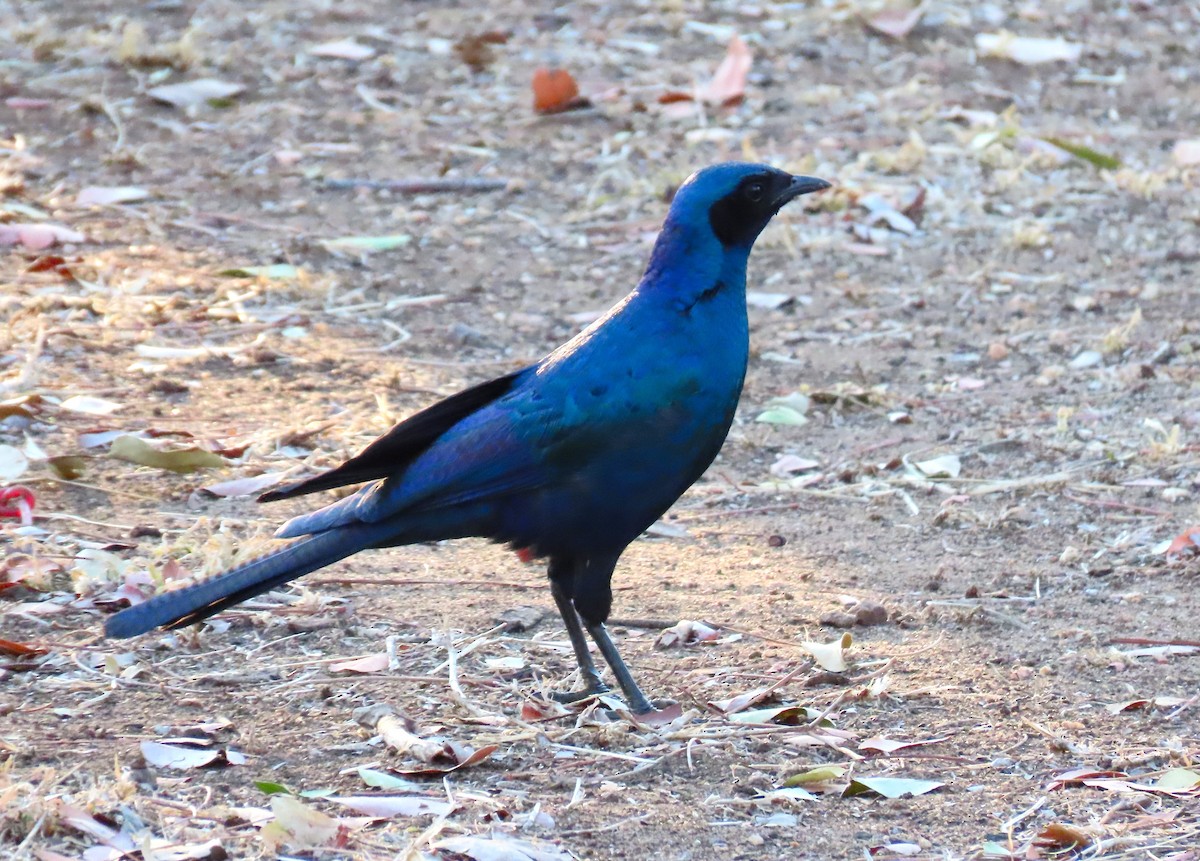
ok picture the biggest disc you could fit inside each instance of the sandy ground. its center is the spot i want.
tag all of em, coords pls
(989, 346)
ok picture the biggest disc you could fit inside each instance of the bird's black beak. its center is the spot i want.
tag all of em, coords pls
(801, 185)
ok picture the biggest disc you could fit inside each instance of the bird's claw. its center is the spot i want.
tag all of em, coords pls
(568, 697)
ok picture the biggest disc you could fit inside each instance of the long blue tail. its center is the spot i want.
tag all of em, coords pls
(261, 574)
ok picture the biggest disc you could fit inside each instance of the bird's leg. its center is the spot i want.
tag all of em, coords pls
(637, 699)
(592, 683)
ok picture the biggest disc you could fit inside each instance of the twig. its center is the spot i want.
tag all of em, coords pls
(647, 624)
(654, 764)
(1116, 503)
(1012, 823)
(767, 509)
(29, 838)
(367, 581)
(106, 107)
(413, 850)
(612, 826)
(1146, 641)
(421, 186)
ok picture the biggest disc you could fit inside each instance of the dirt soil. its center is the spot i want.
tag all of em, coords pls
(988, 346)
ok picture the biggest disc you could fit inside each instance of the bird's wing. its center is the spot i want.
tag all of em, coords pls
(393, 451)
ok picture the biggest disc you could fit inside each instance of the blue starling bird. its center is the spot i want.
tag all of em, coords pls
(569, 459)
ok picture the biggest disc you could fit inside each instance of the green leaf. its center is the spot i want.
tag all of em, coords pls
(383, 780)
(137, 450)
(781, 416)
(821, 774)
(67, 466)
(272, 788)
(363, 244)
(891, 787)
(992, 849)
(1178, 778)
(1096, 159)
(275, 270)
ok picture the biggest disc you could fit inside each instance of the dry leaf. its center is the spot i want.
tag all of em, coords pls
(394, 805)
(37, 236)
(366, 664)
(343, 49)
(189, 94)
(89, 406)
(1186, 153)
(1189, 540)
(13, 463)
(500, 847)
(891, 787)
(1061, 836)
(20, 650)
(1026, 50)
(179, 756)
(248, 486)
(830, 656)
(555, 91)
(887, 745)
(896, 22)
(946, 466)
(298, 825)
(740, 702)
(137, 450)
(686, 633)
(99, 195)
(728, 85)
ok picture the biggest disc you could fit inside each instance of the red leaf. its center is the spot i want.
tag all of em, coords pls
(555, 91)
(1189, 539)
(672, 96)
(19, 650)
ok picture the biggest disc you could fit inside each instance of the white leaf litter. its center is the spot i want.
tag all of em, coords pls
(1027, 50)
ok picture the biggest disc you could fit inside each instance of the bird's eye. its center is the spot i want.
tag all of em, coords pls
(754, 192)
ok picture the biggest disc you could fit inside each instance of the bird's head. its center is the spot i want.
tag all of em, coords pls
(735, 200)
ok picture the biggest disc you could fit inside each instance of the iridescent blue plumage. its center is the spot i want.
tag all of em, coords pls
(570, 458)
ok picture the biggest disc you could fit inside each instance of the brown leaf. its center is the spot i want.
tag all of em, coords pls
(728, 85)
(474, 758)
(51, 263)
(1061, 836)
(672, 96)
(20, 650)
(555, 91)
(366, 664)
(476, 51)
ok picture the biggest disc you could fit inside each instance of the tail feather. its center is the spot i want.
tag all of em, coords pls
(261, 574)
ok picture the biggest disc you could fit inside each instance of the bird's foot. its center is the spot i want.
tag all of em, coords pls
(567, 697)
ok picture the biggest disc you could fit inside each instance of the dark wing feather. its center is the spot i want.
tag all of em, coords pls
(398, 447)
